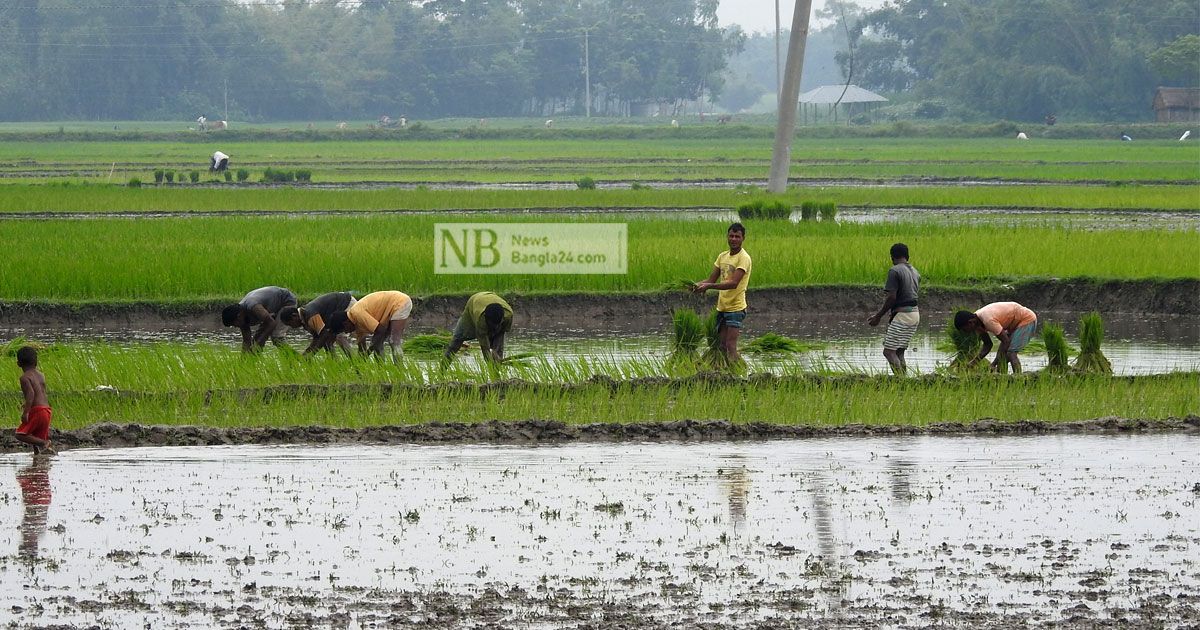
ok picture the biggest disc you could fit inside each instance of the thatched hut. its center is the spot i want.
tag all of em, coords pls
(1177, 104)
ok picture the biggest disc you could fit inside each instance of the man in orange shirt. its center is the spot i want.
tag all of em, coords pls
(1013, 324)
(383, 315)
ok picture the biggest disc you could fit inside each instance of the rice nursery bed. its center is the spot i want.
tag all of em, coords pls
(196, 259)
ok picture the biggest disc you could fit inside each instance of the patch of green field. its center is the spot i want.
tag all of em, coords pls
(196, 393)
(202, 258)
(494, 160)
(187, 198)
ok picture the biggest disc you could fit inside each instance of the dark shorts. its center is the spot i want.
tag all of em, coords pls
(732, 320)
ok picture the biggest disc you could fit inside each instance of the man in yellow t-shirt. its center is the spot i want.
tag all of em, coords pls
(730, 276)
(383, 315)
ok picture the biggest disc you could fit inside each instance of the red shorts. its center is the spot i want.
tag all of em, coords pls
(37, 423)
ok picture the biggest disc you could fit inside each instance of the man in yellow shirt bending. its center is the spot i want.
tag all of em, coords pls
(383, 315)
(730, 276)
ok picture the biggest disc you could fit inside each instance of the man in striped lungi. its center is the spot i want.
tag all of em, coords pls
(902, 283)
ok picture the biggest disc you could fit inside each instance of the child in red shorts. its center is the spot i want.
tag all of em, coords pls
(35, 415)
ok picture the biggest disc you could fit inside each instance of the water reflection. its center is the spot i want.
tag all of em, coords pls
(735, 480)
(34, 481)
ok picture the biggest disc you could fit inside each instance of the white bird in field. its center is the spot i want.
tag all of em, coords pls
(1022, 136)
(1185, 135)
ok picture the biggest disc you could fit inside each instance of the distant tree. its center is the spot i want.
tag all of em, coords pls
(1179, 61)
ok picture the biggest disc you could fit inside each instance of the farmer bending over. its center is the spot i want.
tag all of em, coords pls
(487, 318)
(260, 306)
(383, 315)
(1013, 324)
(219, 163)
(732, 269)
(312, 317)
(901, 303)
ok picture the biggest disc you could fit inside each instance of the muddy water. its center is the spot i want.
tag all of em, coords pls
(863, 531)
(1136, 344)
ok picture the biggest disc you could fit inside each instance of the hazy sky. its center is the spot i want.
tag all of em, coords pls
(759, 15)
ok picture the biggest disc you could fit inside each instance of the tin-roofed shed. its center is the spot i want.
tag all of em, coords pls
(850, 97)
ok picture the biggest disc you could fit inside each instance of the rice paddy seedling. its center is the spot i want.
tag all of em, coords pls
(194, 176)
(1091, 335)
(1056, 347)
(687, 331)
(169, 176)
(134, 182)
(809, 210)
(243, 174)
(966, 346)
(427, 345)
(765, 209)
(158, 175)
(771, 343)
(828, 210)
(585, 183)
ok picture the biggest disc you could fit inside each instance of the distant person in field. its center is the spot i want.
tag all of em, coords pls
(902, 284)
(1013, 324)
(382, 315)
(260, 307)
(219, 163)
(35, 413)
(730, 276)
(312, 317)
(487, 317)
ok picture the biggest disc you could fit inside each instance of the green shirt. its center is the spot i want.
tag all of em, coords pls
(477, 325)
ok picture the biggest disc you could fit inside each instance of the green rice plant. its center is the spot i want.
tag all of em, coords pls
(687, 332)
(428, 345)
(158, 175)
(134, 182)
(771, 343)
(194, 176)
(1091, 335)
(303, 175)
(169, 176)
(585, 183)
(228, 176)
(828, 210)
(243, 174)
(966, 346)
(1056, 347)
(764, 209)
(809, 210)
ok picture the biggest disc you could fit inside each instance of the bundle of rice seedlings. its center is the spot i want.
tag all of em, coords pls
(1056, 347)
(965, 345)
(427, 346)
(771, 343)
(760, 209)
(687, 331)
(1091, 335)
(808, 210)
(828, 210)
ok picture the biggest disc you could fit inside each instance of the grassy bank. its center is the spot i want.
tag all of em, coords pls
(202, 258)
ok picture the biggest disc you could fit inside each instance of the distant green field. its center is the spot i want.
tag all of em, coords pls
(205, 258)
(507, 160)
(189, 198)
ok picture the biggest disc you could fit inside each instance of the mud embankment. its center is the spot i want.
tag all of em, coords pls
(111, 435)
(631, 311)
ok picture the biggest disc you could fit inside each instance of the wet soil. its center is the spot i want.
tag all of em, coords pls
(110, 435)
(647, 311)
(897, 532)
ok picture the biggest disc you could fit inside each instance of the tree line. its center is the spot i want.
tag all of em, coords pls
(1091, 59)
(330, 59)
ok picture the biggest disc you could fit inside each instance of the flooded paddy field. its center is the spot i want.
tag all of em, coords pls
(853, 532)
(1136, 344)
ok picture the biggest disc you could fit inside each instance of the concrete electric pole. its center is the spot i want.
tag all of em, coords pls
(789, 98)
